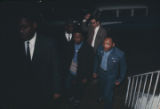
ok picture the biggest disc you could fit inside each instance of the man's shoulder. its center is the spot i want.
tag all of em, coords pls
(118, 51)
(87, 46)
(47, 40)
(102, 28)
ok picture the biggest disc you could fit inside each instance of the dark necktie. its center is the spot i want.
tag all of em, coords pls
(29, 67)
(28, 52)
(69, 37)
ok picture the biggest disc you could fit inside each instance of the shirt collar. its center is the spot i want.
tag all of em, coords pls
(33, 40)
(67, 33)
(108, 51)
(97, 28)
(79, 45)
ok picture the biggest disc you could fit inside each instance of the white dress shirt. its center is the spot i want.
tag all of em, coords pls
(84, 20)
(94, 36)
(68, 36)
(31, 45)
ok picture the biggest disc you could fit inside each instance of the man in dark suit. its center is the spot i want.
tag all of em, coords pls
(38, 82)
(110, 66)
(66, 36)
(96, 33)
(80, 65)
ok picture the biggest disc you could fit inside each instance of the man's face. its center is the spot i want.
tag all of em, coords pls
(77, 38)
(27, 29)
(108, 44)
(69, 28)
(94, 23)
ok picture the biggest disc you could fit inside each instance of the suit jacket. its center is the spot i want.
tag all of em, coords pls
(85, 60)
(116, 64)
(101, 34)
(63, 46)
(38, 80)
(63, 41)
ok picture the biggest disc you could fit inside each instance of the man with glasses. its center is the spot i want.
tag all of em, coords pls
(96, 33)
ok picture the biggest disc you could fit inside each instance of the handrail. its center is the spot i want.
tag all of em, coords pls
(142, 89)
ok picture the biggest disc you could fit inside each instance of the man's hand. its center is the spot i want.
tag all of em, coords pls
(117, 83)
(94, 75)
(84, 81)
(56, 96)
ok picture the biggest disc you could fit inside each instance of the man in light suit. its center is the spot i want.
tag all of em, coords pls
(110, 67)
(96, 33)
(38, 82)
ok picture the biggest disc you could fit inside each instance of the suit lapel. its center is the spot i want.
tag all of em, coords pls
(36, 49)
(98, 37)
(65, 39)
(91, 34)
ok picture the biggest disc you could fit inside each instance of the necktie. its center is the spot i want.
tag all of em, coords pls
(28, 52)
(29, 70)
(69, 37)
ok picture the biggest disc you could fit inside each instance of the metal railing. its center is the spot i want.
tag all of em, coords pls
(143, 91)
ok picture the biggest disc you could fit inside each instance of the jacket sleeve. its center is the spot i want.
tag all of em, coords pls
(123, 68)
(96, 62)
(104, 35)
(90, 63)
(56, 70)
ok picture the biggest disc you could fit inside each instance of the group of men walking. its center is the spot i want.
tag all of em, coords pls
(48, 67)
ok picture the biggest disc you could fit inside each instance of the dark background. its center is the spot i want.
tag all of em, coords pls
(140, 40)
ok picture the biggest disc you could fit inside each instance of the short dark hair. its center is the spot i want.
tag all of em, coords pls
(30, 16)
(69, 22)
(96, 18)
(78, 30)
(109, 37)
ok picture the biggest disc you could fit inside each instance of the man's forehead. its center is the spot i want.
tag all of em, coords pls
(25, 21)
(108, 40)
(77, 33)
(93, 20)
